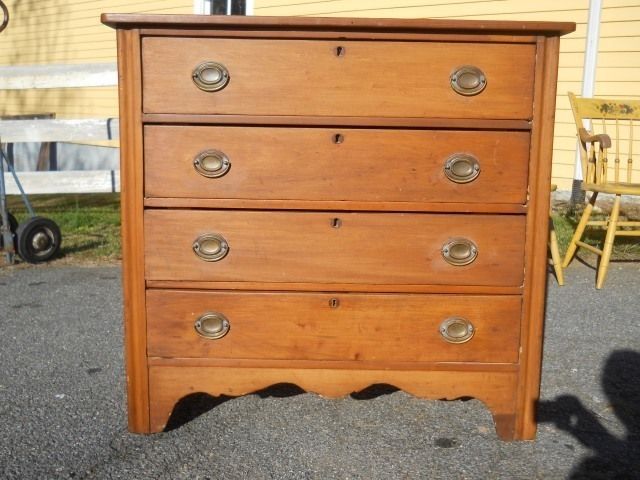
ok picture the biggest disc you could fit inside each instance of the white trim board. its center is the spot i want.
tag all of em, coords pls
(77, 181)
(45, 130)
(25, 77)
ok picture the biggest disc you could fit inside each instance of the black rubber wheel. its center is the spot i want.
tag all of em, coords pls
(38, 239)
(13, 225)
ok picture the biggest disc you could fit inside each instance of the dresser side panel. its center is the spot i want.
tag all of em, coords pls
(132, 201)
(537, 236)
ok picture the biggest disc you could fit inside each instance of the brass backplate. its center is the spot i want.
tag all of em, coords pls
(212, 325)
(468, 80)
(459, 251)
(457, 330)
(210, 247)
(462, 168)
(210, 76)
(211, 163)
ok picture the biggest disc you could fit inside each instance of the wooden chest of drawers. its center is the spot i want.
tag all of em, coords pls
(335, 203)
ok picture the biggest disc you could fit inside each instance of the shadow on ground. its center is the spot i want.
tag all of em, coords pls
(612, 457)
(196, 404)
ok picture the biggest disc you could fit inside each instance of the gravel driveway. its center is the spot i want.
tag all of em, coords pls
(62, 401)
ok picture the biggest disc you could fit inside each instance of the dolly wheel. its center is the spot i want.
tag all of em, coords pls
(13, 226)
(38, 239)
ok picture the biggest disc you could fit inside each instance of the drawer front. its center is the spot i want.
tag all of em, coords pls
(333, 326)
(308, 77)
(336, 164)
(329, 247)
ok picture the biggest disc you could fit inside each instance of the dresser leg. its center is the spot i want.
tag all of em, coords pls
(505, 426)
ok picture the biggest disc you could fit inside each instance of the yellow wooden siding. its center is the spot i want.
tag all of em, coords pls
(618, 73)
(67, 32)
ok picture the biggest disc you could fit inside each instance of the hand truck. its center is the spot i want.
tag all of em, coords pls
(37, 239)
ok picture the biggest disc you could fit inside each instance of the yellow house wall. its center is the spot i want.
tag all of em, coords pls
(618, 71)
(67, 32)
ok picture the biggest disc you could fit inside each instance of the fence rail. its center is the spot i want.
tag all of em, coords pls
(46, 130)
(25, 77)
(78, 181)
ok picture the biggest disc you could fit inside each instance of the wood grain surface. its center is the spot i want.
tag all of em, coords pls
(132, 184)
(495, 389)
(335, 24)
(335, 287)
(308, 326)
(370, 248)
(320, 205)
(342, 121)
(309, 220)
(536, 259)
(369, 165)
(395, 79)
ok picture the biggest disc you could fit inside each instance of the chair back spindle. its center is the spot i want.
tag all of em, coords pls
(616, 121)
(630, 158)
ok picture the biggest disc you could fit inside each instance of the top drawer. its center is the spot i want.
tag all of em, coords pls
(337, 78)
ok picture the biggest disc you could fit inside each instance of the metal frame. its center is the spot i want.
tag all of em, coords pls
(5, 228)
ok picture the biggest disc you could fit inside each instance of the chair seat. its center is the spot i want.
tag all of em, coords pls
(617, 188)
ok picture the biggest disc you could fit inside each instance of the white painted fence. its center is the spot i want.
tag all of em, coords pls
(76, 181)
(46, 130)
(25, 77)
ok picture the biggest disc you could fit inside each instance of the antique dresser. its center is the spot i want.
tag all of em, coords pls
(335, 203)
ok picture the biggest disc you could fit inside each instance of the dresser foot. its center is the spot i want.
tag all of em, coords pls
(506, 426)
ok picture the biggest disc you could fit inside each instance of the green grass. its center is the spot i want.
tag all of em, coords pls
(565, 222)
(90, 224)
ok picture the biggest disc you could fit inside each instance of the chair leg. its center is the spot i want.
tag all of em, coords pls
(555, 253)
(571, 250)
(608, 243)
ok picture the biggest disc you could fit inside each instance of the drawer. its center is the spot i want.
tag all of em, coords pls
(336, 164)
(329, 247)
(309, 77)
(307, 326)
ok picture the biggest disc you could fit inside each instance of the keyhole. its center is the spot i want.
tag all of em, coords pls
(340, 50)
(338, 138)
(336, 223)
(334, 303)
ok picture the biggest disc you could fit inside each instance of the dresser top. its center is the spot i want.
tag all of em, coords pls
(118, 20)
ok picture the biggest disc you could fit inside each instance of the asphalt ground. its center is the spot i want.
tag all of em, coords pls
(63, 413)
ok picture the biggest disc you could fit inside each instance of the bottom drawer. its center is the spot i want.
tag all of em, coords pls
(324, 326)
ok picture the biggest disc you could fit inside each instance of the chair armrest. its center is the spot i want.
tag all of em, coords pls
(603, 139)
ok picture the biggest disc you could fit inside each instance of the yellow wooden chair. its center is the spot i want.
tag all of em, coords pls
(611, 133)
(553, 247)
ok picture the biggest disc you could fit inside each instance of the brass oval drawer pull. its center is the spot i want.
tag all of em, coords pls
(468, 80)
(211, 247)
(457, 330)
(210, 76)
(462, 168)
(212, 325)
(459, 251)
(211, 163)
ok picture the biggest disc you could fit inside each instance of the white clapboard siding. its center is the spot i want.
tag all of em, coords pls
(79, 181)
(23, 77)
(44, 130)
